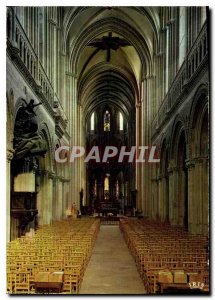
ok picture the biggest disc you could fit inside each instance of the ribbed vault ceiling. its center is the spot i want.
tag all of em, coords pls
(110, 74)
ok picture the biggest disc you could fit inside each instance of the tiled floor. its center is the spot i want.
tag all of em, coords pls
(111, 269)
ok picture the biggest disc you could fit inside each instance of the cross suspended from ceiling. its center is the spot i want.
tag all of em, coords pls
(109, 43)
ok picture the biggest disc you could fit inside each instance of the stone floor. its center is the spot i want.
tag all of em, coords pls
(111, 269)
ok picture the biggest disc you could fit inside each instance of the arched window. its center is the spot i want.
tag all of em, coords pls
(106, 184)
(117, 189)
(92, 121)
(120, 121)
(106, 121)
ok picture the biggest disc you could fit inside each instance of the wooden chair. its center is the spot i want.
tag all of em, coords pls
(21, 283)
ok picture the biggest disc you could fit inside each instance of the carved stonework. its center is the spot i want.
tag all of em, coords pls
(10, 113)
(201, 160)
(60, 119)
(190, 163)
(61, 179)
(156, 179)
(27, 141)
(10, 154)
(172, 167)
(64, 180)
(39, 88)
(51, 174)
(13, 49)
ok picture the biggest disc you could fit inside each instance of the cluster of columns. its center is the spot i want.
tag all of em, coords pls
(76, 132)
(10, 153)
(144, 113)
(198, 190)
(171, 207)
(52, 198)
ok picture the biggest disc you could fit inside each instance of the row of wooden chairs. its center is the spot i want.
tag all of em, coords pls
(159, 247)
(65, 246)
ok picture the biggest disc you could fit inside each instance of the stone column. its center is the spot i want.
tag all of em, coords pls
(155, 199)
(74, 129)
(155, 193)
(44, 198)
(59, 198)
(172, 59)
(99, 191)
(163, 198)
(81, 180)
(138, 142)
(66, 201)
(77, 143)
(198, 195)
(10, 153)
(193, 197)
(63, 203)
(51, 49)
(147, 97)
(205, 195)
(55, 56)
(68, 105)
(39, 198)
(141, 195)
(71, 101)
(65, 193)
(55, 196)
(181, 195)
(160, 190)
(50, 196)
(173, 194)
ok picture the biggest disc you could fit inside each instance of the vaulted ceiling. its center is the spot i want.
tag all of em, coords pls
(110, 50)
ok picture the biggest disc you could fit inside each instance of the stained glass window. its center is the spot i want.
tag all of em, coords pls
(120, 121)
(92, 121)
(107, 121)
(106, 184)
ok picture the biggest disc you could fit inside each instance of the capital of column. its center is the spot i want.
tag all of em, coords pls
(201, 159)
(190, 163)
(170, 22)
(163, 29)
(42, 172)
(61, 179)
(48, 173)
(159, 178)
(159, 54)
(65, 180)
(52, 22)
(57, 177)
(71, 74)
(156, 179)
(138, 105)
(172, 168)
(149, 76)
(51, 174)
(10, 154)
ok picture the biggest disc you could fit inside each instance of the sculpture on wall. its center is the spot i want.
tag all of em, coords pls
(30, 106)
(27, 141)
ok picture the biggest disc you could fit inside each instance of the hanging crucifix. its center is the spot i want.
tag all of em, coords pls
(109, 43)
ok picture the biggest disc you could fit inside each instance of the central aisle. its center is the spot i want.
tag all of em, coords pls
(111, 269)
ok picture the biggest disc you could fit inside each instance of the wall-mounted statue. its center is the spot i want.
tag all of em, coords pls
(27, 141)
(30, 106)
